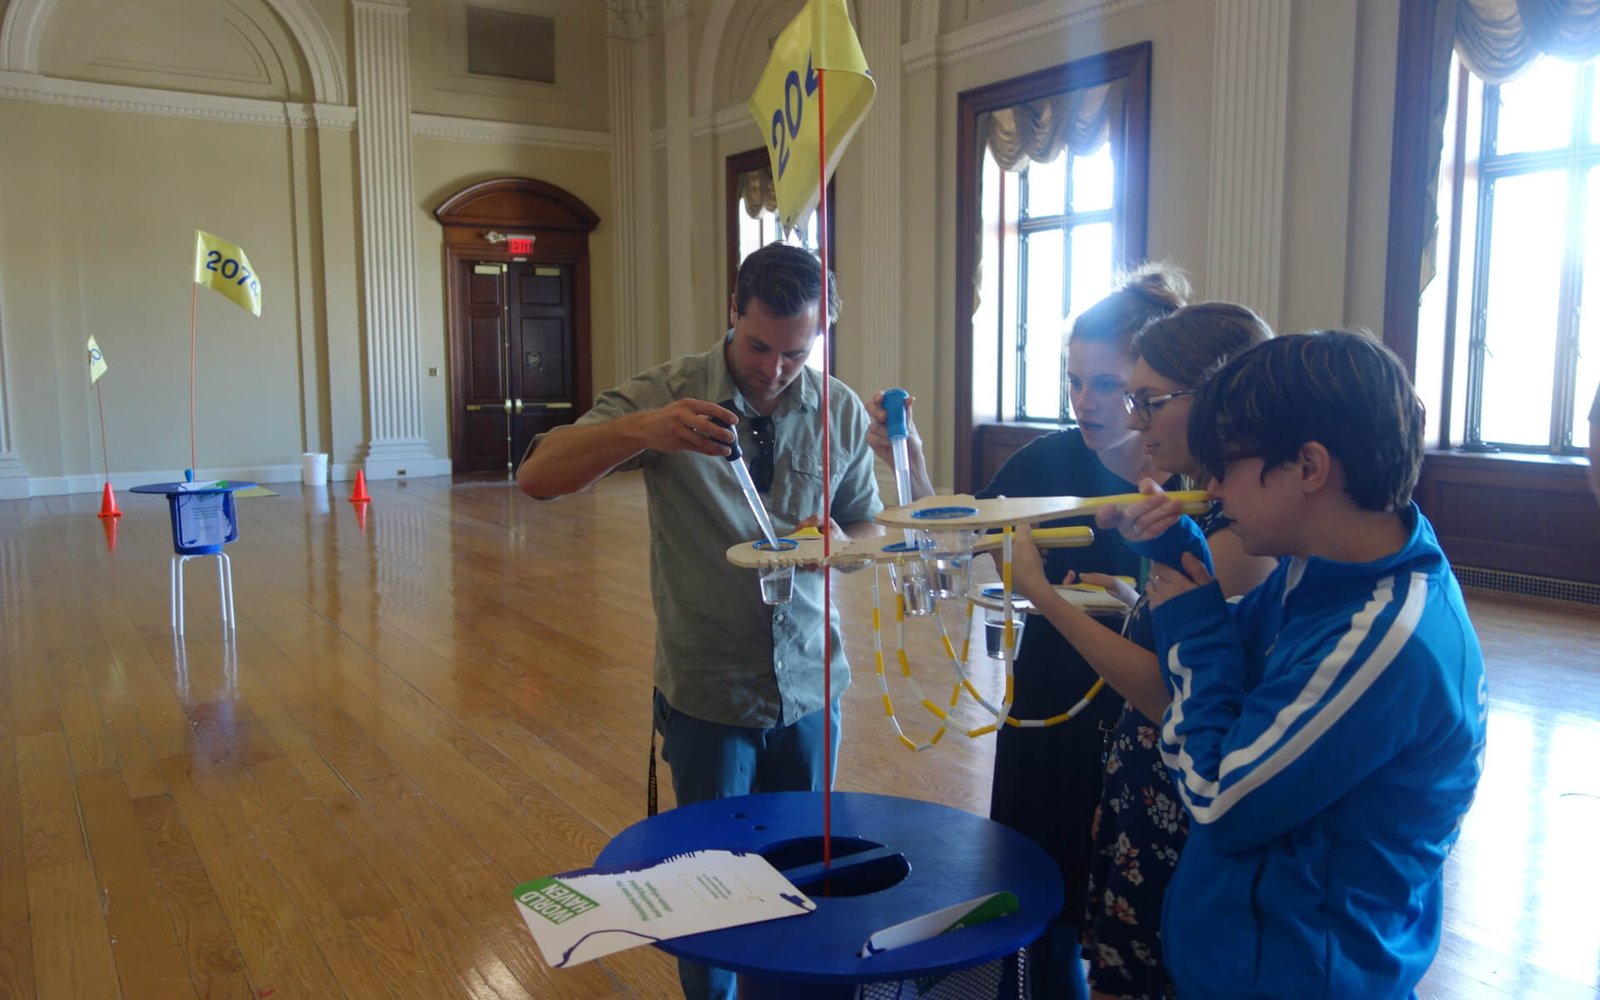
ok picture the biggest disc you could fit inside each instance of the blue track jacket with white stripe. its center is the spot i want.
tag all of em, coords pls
(1326, 734)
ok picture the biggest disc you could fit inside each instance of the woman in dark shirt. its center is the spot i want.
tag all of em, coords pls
(1141, 825)
(1047, 780)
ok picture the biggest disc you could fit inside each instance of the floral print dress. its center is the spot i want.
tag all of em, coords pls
(1139, 831)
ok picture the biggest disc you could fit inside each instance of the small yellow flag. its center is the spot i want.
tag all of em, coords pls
(222, 266)
(785, 102)
(97, 362)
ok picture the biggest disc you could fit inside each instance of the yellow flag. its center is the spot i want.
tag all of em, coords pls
(97, 362)
(785, 102)
(220, 265)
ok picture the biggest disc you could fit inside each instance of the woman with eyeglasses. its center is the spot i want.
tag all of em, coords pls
(1047, 780)
(1141, 824)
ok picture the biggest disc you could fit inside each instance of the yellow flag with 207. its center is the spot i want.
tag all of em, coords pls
(786, 100)
(97, 362)
(222, 266)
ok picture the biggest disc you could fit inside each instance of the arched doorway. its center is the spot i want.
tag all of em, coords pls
(518, 314)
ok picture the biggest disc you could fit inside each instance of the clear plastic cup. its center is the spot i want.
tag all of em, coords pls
(948, 556)
(909, 578)
(777, 584)
(994, 631)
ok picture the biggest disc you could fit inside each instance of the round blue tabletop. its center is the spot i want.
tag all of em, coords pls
(904, 857)
(223, 486)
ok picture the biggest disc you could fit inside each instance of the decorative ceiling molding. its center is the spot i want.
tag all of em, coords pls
(335, 117)
(316, 45)
(705, 76)
(630, 19)
(22, 33)
(171, 103)
(508, 133)
(1005, 31)
(730, 119)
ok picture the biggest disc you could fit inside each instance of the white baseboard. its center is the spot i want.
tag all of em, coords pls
(53, 486)
(410, 468)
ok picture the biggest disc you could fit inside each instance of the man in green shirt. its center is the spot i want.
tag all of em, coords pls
(738, 683)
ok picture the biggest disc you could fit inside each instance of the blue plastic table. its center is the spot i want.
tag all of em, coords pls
(203, 521)
(893, 859)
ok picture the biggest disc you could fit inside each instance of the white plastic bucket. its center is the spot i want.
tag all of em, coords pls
(314, 468)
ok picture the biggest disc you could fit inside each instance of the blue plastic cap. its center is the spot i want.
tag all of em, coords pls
(894, 402)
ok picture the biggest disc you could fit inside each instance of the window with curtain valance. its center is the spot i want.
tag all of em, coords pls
(1051, 204)
(1508, 220)
(751, 208)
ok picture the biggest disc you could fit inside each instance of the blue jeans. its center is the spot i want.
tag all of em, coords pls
(710, 760)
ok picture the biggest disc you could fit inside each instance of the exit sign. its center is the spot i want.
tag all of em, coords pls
(520, 244)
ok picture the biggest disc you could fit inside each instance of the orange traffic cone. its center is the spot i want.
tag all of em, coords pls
(359, 495)
(108, 502)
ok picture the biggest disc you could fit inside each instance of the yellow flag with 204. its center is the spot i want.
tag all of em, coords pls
(222, 266)
(97, 362)
(786, 101)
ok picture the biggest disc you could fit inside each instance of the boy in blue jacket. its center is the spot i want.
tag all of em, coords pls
(1327, 732)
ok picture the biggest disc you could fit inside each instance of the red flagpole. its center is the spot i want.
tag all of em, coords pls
(827, 483)
(194, 307)
(105, 445)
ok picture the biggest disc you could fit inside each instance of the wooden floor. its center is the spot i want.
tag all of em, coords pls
(419, 714)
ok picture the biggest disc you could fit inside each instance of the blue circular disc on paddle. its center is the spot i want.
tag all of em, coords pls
(784, 545)
(943, 513)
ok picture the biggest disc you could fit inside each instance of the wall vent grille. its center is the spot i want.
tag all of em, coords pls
(1524, 585)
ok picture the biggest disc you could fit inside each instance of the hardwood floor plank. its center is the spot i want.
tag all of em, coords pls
(216, 966)
(71, 947)
(16, 943)
(111, 678)
(280, 951)
(81, 719)
(51, 832)
(70, 943)
(144, 945)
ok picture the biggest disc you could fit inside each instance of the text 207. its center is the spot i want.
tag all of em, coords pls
(232, 270)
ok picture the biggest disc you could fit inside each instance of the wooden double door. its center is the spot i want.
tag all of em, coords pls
(516, 377)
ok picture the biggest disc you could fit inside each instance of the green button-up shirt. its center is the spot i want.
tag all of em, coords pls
(721, 654)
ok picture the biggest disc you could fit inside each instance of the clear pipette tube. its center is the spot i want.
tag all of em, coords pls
(741, 472)
(902, 475)
(913, 577)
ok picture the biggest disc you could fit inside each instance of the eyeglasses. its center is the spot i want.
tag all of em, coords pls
(761, 433)
(1146, 406)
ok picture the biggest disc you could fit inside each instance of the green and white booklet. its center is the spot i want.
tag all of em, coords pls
(583, 915)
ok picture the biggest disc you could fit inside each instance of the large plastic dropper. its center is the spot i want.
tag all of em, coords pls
(894, 405)
(914, 585)
(741, 472)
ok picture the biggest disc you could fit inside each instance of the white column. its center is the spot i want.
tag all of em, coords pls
(627, 22)
(396, 445)
(928, 299)
(647, 262)
(13, 477)
(1249, 153)
(682, 337)
(876, 319)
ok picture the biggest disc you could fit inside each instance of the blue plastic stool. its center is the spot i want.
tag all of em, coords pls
(203, 521)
